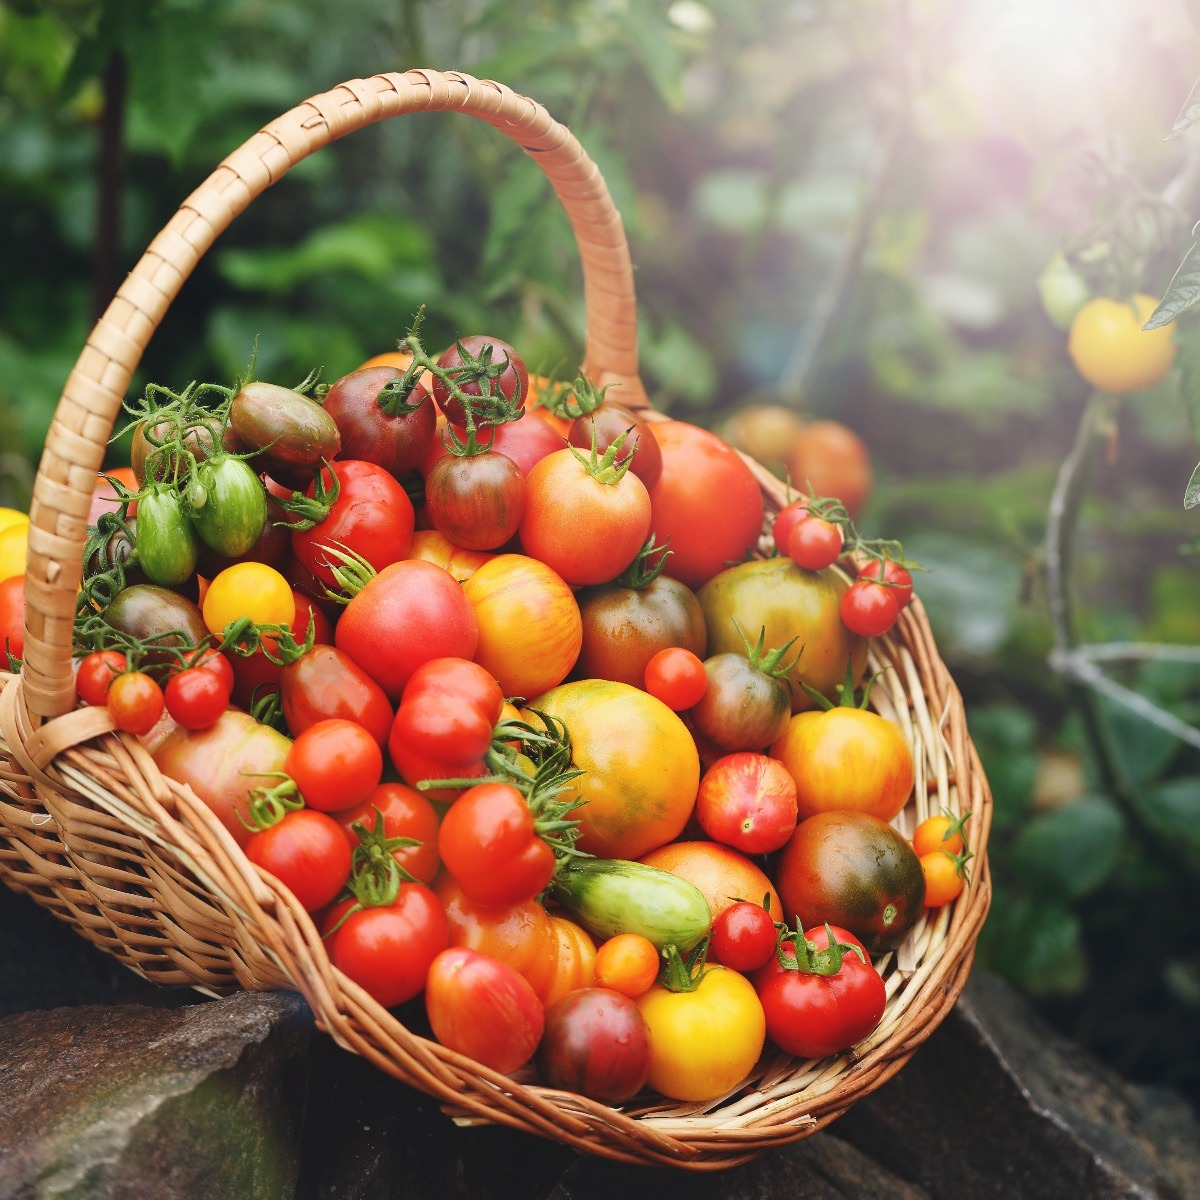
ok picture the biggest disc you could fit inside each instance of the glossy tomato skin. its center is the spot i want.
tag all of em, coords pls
(513, 380)
(742, 708)
(676, 677)
(640, 763)
(166, 546)
(307, 852)
(623, 628)
(197, 696)
(372, 517)
(596, 1043)
(744, 937)
(405, 813)
(135, 701)
(435, 547)
(747, 801)
(388, 949)
(706, 501)
(576, 960)
(411, 612)
(234, 513)
(335, 764)
(529, 625)
(834, 460)
(855, 871)
(96, 671)
(526, 441)
(12, 618)
(787, 602)
(292, 432)
(869, 609)
(610, 421)
(477, 501)
(484, 1009)
(849, 759)
(398, 442)
(156, 615)
(326, 683)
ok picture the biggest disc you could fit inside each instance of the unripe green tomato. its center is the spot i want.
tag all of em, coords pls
(1063, 290)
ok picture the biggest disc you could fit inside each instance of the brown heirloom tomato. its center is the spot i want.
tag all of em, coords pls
(596, 1043)
(476, 500)
(852, 870)
(292, 432)
(397, 441)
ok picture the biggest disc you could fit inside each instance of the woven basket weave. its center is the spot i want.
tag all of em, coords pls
(93, 831)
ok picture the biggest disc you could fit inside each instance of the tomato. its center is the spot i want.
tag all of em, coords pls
(832, 1001)
(197, 696)
(251, 590)
(787, 602)
(433, 547)
(405, 814)
(335, 764)
(625, 626)
(1112, 351)
(149, 456)
(576, 962)
(12, 618)
(723, 875)
(507, 374)
(326, 683)
(156, 616)
(855, 871)
(945, 877)
(747, 801)
(1062, 290)
(475, 501)
(292, 432)
(104, 495)
(869, 609)
(849, 759)
(273, 546)
(703, 1043)
(814, 544)
(641, 770)
(941, 832)
(166, 546)
(387, 949)
(596, 1043)
(763, 431)
(889, 572)
(744, 707)
(612, 420)
(744, 936)
(521, 935)
(707, 501)
(585, 518)
(410, 613)
(372, 517)
(307, 852)
(224, 763)
(526, 441)
(489, 843)
(12, 516)
(627, 963)
(96, 671)
(827, 459)
(233, 511)
(14, 549)
(530, 629)
(676, 677)
(135, 701)
(374, 426)
(786, 521)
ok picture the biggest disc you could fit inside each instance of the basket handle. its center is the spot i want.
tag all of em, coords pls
(96, 386)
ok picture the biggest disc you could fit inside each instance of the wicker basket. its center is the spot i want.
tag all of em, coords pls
(93, 831)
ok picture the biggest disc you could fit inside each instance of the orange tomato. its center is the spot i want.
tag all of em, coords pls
(104, 495)
(433, 547)
(530, 630)
(945, 876)
(723, 875)
(832, 459)
(943, 832)
(576, 963)
(627, 963)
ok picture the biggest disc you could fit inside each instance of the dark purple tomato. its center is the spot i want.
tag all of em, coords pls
(611, 421)
(372, 425)
(475, 502)
(743, 708)
(512, 381)
(596, 1043)
(292, 432)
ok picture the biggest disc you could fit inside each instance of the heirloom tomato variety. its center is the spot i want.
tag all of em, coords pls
(722, 875)
(627, 963)
(576, 959)
(610, 421)
(135, 701)
(434, 547)
(526, 441)
(640, 765)
(506, 368)
(597, 1043)
(291, 431)
(326, 682)
(378, 427)
(404, 813)
(252, 590)
(12, 618)
(475, 500)
(747, 801)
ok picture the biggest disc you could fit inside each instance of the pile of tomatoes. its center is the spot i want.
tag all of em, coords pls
(492, 675)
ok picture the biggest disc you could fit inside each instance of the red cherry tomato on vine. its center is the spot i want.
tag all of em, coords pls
(96, 672)
(676, 677)
(869, 609)
(786, 520)
(336, 764)
(307, 852)
(814, 544)
(890, 572)
(135, 701)
(744, 936)
(197, 696)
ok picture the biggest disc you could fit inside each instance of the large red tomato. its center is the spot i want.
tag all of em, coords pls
(707, 501)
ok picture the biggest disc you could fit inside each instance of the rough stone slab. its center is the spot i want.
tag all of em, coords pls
(148, 1103)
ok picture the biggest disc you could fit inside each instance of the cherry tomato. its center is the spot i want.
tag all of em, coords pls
(815, 544)
(1112, 351)
(627, 963)
(786, 520)
(676, 677)
(945, 877)
(512, 381)
(336, 764)
(12, 618)
(889, 572)
(197, 696)
(252, 590)
(475, 501)
(744, 936)
(831, 460)
(307, 852)
(406, 813)
(484, 1009)
(135, 701)
(941, 832)
(211, 659)
(869, 609)
(96, 672)
(747, 801)
(596, 1043)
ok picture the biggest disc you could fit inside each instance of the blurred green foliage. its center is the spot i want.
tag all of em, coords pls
(842, 208)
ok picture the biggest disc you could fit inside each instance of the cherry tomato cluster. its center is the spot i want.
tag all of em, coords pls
(487, 672)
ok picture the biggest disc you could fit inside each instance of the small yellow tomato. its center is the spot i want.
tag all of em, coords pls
(703, 1043)
(1112, 351)
(14, 548)
(13, 516)
(945, 877)
(248, 589)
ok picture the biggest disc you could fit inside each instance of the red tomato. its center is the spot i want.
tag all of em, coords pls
(611, 420)
(335, 764)
(526, 441)
(676, 677)
(869, 609)
(484, 1009)
(307, 852)
(511, 381)
(372, 517)
(255, 674)
(489, 843)
(197, 696)
(814, 544)
(744, 937)
(747, 801)
(395, 441)
(596, 1043)
(707, 501)
(387, 949)
(327, 683)
(96, 672)
(890, 572)
(475, 501)
(12, 618)
(406, 813)
(786, 520)
(135, 701)
(411, 612)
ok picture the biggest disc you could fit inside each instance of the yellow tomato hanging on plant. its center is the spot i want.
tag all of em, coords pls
(1112, 351)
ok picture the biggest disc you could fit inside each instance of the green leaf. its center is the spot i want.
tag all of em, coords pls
(1037, 945)
(1191, 497)
(1145, 750)
(1173, 808)
(1071, 851)
(649, 38)
(1189, 112)
(1183, 292)
(1005, 736)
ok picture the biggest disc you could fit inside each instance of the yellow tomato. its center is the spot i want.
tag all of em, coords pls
(248, 589)
(14, 549)
(12, 516)
(1112, 351)
(433, 547)
(641, 768)
(703, 1043)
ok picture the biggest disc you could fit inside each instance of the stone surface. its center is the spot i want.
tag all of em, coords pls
(128, 1102)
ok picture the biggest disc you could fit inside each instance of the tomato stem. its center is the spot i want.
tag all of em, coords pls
(683, 974)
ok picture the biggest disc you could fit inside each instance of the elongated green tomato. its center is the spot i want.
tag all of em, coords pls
(611, 896)
(233, 506)
(166, 546)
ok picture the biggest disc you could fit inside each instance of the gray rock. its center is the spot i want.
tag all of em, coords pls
(150, 1103)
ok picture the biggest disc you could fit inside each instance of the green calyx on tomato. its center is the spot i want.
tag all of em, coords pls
(375, 874)
(268, 806)
(769, 662)
(312, 510)
(810, 959)
(679, 974)
(570, 401)
(845, 692)
(646, 567)
(610, 467)
(351, 572)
